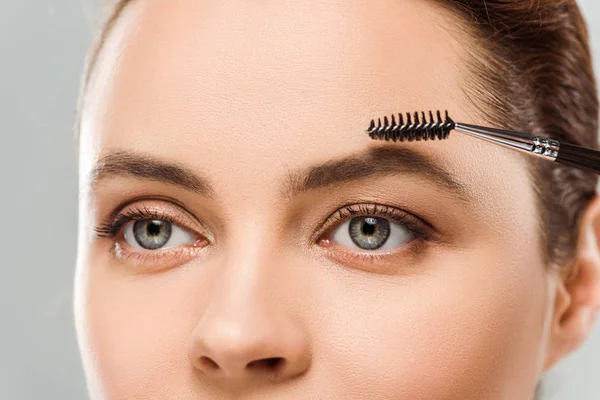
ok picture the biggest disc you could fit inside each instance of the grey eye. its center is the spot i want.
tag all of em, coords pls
(369, 233)
(372, 233)
(155, 234)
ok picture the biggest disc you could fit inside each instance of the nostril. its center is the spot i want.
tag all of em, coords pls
(267, 364)
(208, 363)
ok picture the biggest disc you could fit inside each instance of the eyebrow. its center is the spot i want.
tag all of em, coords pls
(146, 167)
(376, 162)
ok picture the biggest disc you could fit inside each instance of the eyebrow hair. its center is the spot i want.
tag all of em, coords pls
(146, 167)
(378, 161)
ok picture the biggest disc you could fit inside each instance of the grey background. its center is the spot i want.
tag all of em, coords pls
(42, 47)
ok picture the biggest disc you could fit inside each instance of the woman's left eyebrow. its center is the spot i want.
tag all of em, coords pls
(375, 162)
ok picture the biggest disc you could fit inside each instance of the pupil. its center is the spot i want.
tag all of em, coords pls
(153, 228)
(369, 227)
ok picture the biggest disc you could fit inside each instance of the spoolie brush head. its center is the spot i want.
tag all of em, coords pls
(415, 127)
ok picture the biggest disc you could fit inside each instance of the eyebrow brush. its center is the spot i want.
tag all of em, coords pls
(416, 128)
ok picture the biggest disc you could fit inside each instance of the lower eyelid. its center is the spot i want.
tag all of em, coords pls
(157, 259)
(381, 263)
(329, 244)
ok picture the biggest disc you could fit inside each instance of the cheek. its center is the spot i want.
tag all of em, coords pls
(134, 330)
(468, 326)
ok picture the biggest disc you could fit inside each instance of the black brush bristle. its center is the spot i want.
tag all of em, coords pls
(415, 128)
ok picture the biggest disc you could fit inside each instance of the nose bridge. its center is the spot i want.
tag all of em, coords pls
(247, 331)
(251, 260)
(252, 265)
(244, 284)
(247, 280)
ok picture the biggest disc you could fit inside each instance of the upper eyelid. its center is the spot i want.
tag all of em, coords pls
(130, 202)
(181, 217)
(375, 209)
(335, 218)
(148, 213)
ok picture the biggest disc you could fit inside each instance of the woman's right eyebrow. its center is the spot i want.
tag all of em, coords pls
(147, 167)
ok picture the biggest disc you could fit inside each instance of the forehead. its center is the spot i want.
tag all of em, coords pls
(258, 88)
(270, 70)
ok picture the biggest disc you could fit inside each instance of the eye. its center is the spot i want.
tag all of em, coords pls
(372, 233)
(154, 234)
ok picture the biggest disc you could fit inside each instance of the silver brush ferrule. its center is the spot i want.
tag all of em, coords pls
(546, 148)
(534, 145)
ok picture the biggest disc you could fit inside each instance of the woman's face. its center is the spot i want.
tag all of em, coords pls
(241, 235)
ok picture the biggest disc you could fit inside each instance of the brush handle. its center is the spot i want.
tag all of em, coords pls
(546, 148)
(579, 157)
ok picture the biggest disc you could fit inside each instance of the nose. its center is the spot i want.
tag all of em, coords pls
(242, 341)
(235, 355)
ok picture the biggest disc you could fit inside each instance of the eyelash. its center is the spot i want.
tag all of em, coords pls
(112, 229)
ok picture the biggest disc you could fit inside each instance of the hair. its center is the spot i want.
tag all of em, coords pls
(530, 71)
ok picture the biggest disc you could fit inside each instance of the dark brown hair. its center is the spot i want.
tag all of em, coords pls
(529, 71)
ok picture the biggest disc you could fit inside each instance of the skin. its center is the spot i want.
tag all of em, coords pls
(248, 96)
